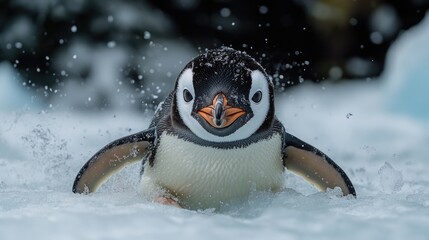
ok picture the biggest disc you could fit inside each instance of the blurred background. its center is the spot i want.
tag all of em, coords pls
(351, 77)
(95, 54)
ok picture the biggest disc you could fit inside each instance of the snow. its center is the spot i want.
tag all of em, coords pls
(368, 127)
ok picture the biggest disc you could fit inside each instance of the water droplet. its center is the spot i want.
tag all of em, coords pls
(110, 19)
(18, 45)
(263, 9)
(376, 38)
(74, 56)
(73, 28)
(391, 180)
(89, 99)
(146, 35)
(225, 12)
(61, 41)
(111, 44)
(335, 73)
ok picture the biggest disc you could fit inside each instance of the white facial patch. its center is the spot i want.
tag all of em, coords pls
(260, 110)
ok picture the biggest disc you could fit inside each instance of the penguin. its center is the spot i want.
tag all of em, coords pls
(214, 140)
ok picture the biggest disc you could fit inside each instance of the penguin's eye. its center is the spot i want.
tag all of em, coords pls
(257, 96)
(187, 96)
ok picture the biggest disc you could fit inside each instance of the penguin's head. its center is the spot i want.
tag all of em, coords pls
(224, 95)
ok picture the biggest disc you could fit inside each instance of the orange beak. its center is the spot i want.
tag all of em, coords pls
(219, 114)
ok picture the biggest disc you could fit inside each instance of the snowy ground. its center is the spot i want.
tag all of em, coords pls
(377, 131)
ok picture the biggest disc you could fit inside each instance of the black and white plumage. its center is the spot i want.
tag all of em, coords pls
(214, 139)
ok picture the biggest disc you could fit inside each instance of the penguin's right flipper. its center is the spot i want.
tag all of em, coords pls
(314, 166)
(112, 158)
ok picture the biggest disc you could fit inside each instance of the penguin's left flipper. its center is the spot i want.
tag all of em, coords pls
(314, 166)
(112, 158)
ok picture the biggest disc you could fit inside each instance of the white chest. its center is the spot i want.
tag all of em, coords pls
(205, 177)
